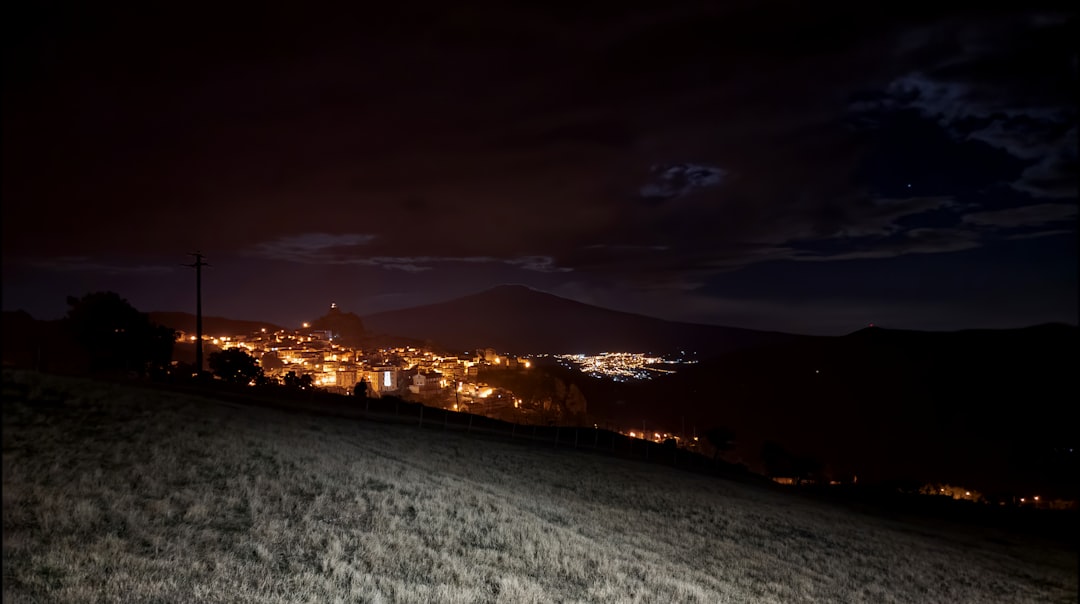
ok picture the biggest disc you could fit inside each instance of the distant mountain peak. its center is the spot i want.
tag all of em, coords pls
(513, 287)
(516, 318)
(346, 326)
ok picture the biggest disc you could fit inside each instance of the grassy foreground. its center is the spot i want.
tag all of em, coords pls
(114, 494)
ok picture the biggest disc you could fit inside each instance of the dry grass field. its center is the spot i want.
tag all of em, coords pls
(116, 494)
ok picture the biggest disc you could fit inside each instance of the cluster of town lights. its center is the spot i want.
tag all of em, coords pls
(619, 366)
(338, 368)
(656, 436)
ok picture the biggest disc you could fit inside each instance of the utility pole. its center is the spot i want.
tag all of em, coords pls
(197, 265)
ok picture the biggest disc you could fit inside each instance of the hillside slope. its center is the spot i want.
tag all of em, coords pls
(120, 494)
(990, 409)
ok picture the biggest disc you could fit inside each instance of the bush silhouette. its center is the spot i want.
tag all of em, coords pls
(235, 365)
(722, 440)
(300, 382)
(117, 337)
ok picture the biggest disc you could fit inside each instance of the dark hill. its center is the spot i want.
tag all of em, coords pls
(346, 327)
(212, 326)
(521, 320)
(990, 409)
(41, 345)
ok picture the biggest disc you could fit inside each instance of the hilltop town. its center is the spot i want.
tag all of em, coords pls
(336, 364)
(335, 353)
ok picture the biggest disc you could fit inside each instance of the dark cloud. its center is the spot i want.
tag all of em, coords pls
(669, 181)
(355, 249)
(314, 248)
(632, 149)
(914, 241)
(1024, 216)
(1038, 234)
(1003, 80)
(1054, 175)
(85, 264)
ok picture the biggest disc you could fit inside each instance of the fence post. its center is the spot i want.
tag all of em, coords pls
(469, 429)
(576, 432)
(513, 430)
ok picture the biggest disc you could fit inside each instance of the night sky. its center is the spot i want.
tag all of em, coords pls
(794, 167)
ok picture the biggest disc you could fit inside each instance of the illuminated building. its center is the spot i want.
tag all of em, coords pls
(425, 382)
(383, 379)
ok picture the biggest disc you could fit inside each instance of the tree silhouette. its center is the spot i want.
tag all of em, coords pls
(360, 389)
(300, 382)
(778, 461)
(270, 361)
(781, 462)
(722, 440)
(117, 337)
(235, 365)
(573, 406)
(806, 468)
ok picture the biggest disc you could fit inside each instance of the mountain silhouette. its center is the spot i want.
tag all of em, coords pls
(212, 326)
(987, 408)
(346, 328)
(521, 320)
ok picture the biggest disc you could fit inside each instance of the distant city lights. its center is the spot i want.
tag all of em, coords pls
(620, 366)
